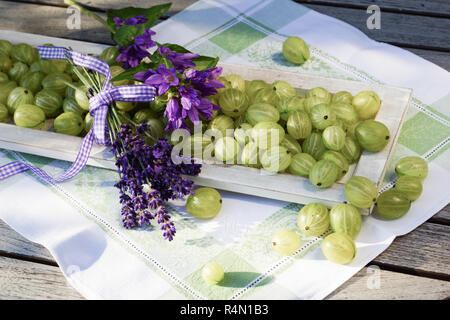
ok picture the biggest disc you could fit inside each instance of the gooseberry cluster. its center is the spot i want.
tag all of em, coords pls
(34, 90)
(345, 219)
(274, 127)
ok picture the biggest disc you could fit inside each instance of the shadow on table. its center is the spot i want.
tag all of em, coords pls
(243, 279)
(281, 60)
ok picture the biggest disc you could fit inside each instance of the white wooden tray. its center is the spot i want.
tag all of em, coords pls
(395, 102)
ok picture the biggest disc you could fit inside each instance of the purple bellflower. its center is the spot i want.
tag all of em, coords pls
(162, 78)
(205, 81)
(141, 19)
(181, 61)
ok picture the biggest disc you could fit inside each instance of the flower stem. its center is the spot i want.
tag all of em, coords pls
(89, 13)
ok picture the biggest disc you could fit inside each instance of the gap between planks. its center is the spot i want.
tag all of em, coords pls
(430, 8)
(28, 280)
(438, 8)
(419, 32)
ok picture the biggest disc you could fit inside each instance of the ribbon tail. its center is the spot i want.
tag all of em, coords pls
(17, 167)
(13, 168)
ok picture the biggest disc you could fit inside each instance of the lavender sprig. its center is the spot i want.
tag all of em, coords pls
(149, 177)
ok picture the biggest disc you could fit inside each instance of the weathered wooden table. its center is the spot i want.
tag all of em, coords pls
(416, 266)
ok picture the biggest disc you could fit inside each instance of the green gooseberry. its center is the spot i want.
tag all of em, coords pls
(322, 116)
(321, 93)
(242, 133)
(299, 125)
(5, 47)
(342, 97)
(285, 242)
(250, 155)
(346, 218)
(5, 63)
(18, 70)
(311, 102)
(32, 81)
(3, 77)
(314, 146)
(366, 104)
(267, 134)
(361, 192)
(345, 112)
(69, 123)
(222, 123)
(392, 204)
(233, 102)
(351, 150)
(226, 149)
(29, 116)
(411, 187)
(236, 82)
(313, 220)
(301, 164)
(50, 102)
(6, 88)
(339, 160)
(205, 203)
(339, 248)
(261, 112)
(17, 97)
(295, 50)
(291, 144)
(266, 95)
(57, 82)
(288, 105)
(283, 89)
(333, 138)
(4, 114)
(413, 167)
(372, 135)
(109, 55)
(252, 87)
(323, 174)
(276, 159)
(24, 53)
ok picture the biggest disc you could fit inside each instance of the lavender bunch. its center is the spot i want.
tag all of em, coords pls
(149, 178)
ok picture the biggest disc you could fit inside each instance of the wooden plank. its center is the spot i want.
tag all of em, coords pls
(104, 5)
(51, 21)
(440, 58)
(420, 7)
(12, 244)
(27, 280)
(442, 217)
(48, 20)
(392, 286)
(399, 29)
(424, 251)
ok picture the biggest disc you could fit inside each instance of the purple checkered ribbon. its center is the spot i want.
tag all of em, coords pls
(98, 108)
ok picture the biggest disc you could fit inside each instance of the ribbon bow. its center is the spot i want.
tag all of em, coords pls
(98, 108)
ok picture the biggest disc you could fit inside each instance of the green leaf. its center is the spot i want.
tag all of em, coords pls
(152, 14)
(129, 74)
(125, 35)
(174, 47)
(204, 62)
